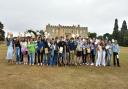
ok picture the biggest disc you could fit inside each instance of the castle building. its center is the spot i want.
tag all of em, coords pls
(57, 31)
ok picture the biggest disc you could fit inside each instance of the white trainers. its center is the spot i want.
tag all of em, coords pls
(92, 64)
(87, 64)
(76, 64)
(38, 64)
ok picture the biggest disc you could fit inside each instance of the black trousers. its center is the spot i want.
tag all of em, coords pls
(92, 56)
(115, 59)
(40, 57)
(84, 58)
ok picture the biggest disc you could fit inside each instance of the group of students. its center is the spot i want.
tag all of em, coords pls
(62, 51)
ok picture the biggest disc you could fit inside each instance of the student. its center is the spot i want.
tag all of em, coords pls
(67, 55)
(35, 42)
(51, 52)
(31, 51)
(40, 48)
(10, 50)
(99, 54)
(93, 53)
(56, 51)
(62, 49)
(109, 53)
(24, 51)
(88, 52)
(84, 52)
(103, 59)
(72, 51)
(17, 48)
(45, 51)
(79, 51)
(115, 49)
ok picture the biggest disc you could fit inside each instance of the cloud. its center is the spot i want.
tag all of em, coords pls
(97, 15)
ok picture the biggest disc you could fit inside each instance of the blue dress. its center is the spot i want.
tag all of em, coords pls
(10, 51)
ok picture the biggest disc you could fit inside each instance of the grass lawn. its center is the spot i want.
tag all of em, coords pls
(77, 77)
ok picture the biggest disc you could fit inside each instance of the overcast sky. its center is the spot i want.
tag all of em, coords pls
(97, 15)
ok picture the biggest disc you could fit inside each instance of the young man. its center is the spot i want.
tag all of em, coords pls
(79, 51)
(40, 48)
(115, 49)
(72, 48)
(62, 48)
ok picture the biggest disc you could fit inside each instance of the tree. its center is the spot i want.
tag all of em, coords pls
(124, 34)
(107, 36)
(2, 33)
(31, 31)
(41, 32)
(100, 37)
(115, 33)
(92, 35)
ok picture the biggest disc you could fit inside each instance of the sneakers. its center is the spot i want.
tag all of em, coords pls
(17, 63)
(92, 64)
(87, 63)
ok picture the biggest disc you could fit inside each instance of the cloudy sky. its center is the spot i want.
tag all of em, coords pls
(97, 15)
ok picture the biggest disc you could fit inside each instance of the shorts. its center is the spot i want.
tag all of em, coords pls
(79, 53)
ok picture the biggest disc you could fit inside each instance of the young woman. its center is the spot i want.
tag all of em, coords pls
(17, 48)
(103, 60)
(109, 53)
(99, 54)
(10, 50)
(84, 52)
(88, 53)
(31, 51)
(24, 51)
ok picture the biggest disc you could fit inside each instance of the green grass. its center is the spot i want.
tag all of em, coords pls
(77, 77)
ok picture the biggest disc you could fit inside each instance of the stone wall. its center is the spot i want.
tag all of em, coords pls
(57, 31)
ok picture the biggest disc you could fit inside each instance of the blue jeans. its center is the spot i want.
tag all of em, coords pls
(51, 60)
(18, 54)
(31, 58)
(45, 58)
(108, 58)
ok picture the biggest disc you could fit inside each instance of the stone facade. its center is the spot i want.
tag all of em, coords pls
(57, 31)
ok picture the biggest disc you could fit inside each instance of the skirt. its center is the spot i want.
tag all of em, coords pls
(79, 53)
(24, 51)
(9, 53)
